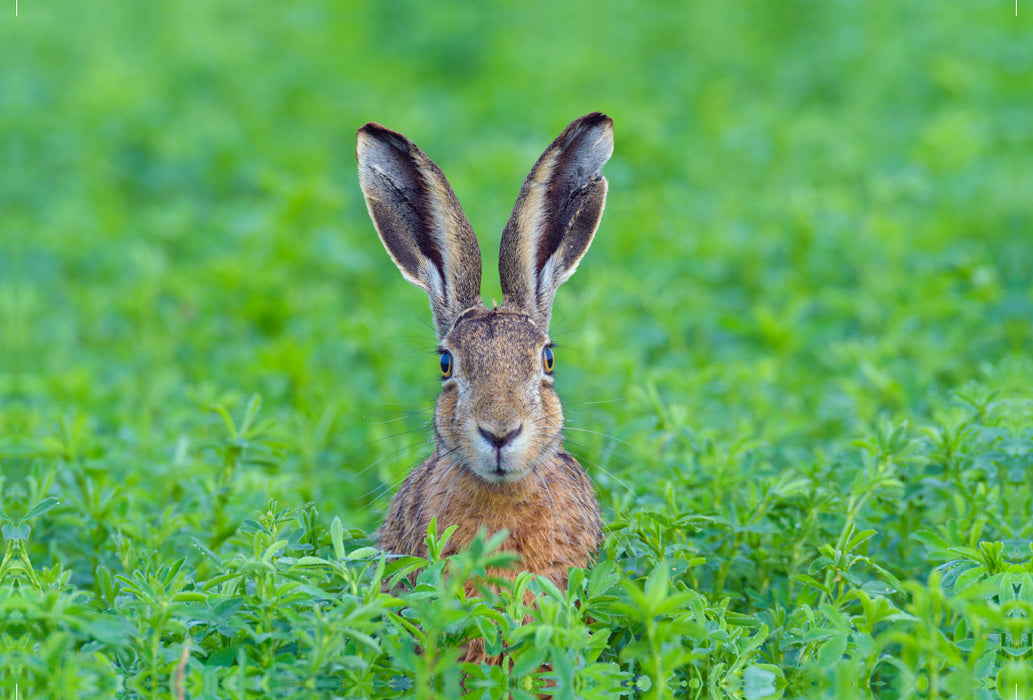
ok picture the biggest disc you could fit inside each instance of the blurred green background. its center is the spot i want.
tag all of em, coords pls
(818, 214)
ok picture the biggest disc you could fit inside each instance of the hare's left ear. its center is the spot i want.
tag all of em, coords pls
(555, 217)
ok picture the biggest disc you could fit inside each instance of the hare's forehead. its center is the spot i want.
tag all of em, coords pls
(496, 336)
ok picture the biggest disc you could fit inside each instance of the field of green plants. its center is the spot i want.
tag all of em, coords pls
(796, 362)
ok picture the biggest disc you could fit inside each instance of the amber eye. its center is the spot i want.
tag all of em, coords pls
(547, 359)
(446, 365)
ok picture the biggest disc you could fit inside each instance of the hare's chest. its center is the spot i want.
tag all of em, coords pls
(550, 534)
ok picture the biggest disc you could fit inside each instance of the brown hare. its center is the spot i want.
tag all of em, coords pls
(498, 459)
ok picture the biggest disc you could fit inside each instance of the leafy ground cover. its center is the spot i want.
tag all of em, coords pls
(796, 361)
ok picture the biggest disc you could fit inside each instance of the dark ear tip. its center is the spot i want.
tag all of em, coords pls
(590, 122)
(594, 119)
(372, 128)
(595, 126)
(377, 135)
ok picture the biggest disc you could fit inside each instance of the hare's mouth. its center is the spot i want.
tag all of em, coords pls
(500, 466)
(500, 455)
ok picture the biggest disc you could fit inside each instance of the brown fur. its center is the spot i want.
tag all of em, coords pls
(551, 529)
(498, 461)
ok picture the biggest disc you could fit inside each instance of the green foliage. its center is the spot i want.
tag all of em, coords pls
(796, 361)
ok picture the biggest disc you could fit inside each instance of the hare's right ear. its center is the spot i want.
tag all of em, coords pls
(555, 216)
(420, 222)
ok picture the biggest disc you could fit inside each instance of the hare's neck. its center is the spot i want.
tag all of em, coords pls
(551, 515)
(457, 496)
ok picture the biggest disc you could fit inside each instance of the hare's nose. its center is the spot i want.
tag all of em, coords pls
(500, 441)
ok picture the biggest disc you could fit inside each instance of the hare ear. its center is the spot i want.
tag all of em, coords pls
(555, 216)
(420, 222)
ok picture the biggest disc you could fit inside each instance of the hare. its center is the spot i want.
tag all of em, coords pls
(498, 459)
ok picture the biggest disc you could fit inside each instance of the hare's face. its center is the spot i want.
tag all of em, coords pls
(498, 414)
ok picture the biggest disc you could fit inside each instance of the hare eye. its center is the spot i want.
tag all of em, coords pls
(547, 359)
(446, 365)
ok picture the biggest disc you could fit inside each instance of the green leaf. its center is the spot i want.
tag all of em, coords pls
(209, 554)
(41, 508)
(304, 562)
(528, 660)
(363, 553)
(831, 652)
(969, 577)
(16, 533)
(253, 406)
(656, 586)
(812, 582)
(859, 538)
(758, 681)
(227, 420)
(337, 537)
(273, 549)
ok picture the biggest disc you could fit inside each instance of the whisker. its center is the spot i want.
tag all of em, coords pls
(451, 468)
(420, 429)
(607, 455)
(596, 432)
(404, 416)
(454, 470)
(572, 313)
(607, 472)
(555, 512)
(384, 488)
(392, 455)
(592, 403)
(377, 492)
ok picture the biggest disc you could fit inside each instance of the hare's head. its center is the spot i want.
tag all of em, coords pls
(497, 414)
